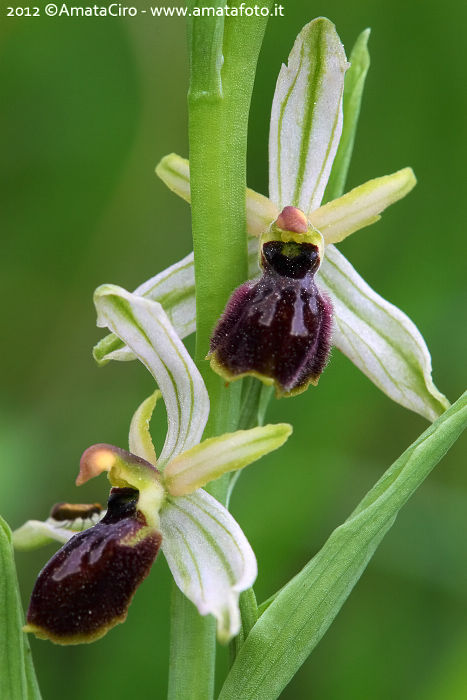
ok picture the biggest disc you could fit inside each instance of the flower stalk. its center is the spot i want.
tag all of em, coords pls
(223, 58)
(219, 101)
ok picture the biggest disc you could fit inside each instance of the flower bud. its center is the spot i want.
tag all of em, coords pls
(278, 329)
(87, 586)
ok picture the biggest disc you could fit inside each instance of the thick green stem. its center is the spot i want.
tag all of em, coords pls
(223, 55)
(192, 646)
(219, 102)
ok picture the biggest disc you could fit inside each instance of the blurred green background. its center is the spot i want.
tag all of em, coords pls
(88, 107)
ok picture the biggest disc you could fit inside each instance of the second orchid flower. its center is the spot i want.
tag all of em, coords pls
(87, 586)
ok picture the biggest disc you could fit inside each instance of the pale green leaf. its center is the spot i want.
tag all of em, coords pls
(140, 441)
(353, 93)
(306, 118)
(379, 338)
(297, 619)
(144, 326)
(219, 455)
(361, 206)
(209, 557)
(17, 676)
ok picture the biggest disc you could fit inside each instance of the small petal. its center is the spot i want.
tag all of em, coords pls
(219, 455)
(87, 586)
(140, 441)
(306, 117)
(260, 212)
(143, 325)
(361, 206)
(174, 171)
(209, 557)
(380, 339)
(174, 288)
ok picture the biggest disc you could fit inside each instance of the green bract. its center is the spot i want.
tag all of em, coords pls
(306, 126)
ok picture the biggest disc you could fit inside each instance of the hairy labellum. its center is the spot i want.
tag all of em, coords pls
(87, 586)
(277, 329)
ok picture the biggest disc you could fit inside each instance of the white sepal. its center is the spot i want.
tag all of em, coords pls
(144, 326)
(379, 338)
(306, 118)
(209, 557)
(173, 289)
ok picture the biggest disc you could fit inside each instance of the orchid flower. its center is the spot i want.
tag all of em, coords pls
(306, 126)
(87, 586)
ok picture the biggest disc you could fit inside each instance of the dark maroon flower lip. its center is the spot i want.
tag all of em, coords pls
(87, 586)
(277, 329)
